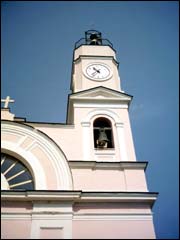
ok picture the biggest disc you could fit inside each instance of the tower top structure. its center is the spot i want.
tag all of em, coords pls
(94, 63)
(93, 37)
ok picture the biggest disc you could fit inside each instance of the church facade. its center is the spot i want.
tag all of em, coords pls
(79, 180)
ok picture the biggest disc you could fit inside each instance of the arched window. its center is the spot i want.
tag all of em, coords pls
(103, 136)
(14, 174)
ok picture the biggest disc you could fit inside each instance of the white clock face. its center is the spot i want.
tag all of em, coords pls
(98, 71)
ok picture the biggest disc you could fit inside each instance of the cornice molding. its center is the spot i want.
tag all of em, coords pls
(108, 165)
(101, 90)
(81, 196)
(78, 59)
(113, 217)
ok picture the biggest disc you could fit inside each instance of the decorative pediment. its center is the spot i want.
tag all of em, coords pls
(101, 93)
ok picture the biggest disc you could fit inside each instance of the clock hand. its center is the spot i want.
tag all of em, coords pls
(96, 70)
(94, 73)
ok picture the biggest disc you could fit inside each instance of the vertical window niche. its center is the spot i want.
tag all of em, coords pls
(102, 131)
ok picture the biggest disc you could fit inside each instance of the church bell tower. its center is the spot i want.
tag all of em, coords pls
(99, 110)
(98, 100)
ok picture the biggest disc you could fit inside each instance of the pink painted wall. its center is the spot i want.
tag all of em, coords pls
(15, 229)
(135, 180)
(90, 179)
(65, 138)
(117, 229)
(111, 208)
(12, 227)
(109, 180)
(112, 221)
(16, 206)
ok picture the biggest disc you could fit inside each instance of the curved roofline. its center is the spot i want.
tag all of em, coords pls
(39, 131)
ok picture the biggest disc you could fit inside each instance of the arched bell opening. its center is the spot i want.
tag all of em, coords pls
(93, 37)
(103, 135)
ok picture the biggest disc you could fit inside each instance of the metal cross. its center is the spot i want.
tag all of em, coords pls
(7, 101)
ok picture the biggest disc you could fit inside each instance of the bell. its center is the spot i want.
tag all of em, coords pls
(102, 140)
(94, 39)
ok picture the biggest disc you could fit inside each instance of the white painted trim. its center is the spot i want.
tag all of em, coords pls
(15, 216)
(108, 165)
(79, 196)
(4, 183)
(37, 224)
(75, 217)
(107, 94)
(52, 215)
(119, 124)
(113, 217)
(106, 155)
(86, 140)
(22, 140)
(52, 207)
(122, 143)
(85, 124)
(32, 145)
(29, 160)
(50, 125)
(103, 112)
(40, 195)
(100, 105)
(107, 152)
(29, 216)
(111, 57)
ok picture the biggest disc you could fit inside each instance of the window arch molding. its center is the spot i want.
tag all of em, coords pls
(112, 116)
(87, 131)
(106, 114)
(28, 160)
(29, 141)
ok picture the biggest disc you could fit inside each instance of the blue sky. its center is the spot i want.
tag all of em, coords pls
(37, 42)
